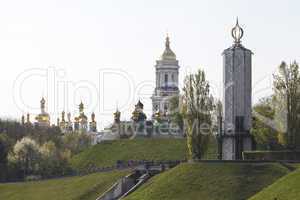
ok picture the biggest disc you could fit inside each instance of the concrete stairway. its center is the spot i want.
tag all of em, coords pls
(131, 182)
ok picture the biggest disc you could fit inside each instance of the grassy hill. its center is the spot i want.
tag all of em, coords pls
(210, 181)
(205, 181)
(84, 188)
(106, 154)
(286, 188)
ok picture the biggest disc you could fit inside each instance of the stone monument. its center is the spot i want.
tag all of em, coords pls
(235, 132)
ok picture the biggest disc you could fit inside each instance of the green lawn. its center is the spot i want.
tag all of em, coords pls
(286, 188)
(74, 188)
(106, 154)
(210, 181)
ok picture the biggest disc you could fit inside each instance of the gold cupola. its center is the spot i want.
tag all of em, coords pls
(168, 53)
(43, 119)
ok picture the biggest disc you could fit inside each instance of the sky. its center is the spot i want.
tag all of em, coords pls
(103, 52)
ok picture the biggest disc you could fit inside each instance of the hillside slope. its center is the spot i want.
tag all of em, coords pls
(286, 188)
(106, 154)
(210, 181)
(76, 188)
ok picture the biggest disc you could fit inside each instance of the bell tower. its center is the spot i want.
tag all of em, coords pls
(237, 80)
(166, 85)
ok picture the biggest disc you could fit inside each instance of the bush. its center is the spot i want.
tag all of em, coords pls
(33, 178)
(272, 155)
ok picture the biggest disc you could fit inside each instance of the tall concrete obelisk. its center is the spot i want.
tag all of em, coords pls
(237, 72)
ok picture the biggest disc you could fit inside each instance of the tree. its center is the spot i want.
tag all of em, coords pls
(175, 114)
(49, 158)
(26, 153)
(54, 161)
(26, 157)
(13, 129)
(287, 95)
(217, 115)
(197, 111)
(264, 129)
(76, 142)
(4, 148)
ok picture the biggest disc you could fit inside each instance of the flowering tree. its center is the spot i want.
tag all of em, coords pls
(26, 153)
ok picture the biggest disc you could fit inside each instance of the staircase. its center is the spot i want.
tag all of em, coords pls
(131, 182)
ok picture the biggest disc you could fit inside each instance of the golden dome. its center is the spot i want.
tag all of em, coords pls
(168, 53)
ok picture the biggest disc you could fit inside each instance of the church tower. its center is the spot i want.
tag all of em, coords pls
(81, 122)
(93, 123)
(43, 119)
(28, 122)
(63, 123)
(167, 71)
(237, 70)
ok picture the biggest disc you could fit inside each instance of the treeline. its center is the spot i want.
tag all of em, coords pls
(31, 152)
(276, 123)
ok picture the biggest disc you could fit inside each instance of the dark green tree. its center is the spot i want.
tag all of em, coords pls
(4, 148)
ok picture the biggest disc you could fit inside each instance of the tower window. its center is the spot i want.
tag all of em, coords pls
(166, 79)
(173, 80)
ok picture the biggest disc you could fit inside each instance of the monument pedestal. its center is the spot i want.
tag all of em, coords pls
(233, 145)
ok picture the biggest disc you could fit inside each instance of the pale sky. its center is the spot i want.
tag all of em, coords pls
(103, 51)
